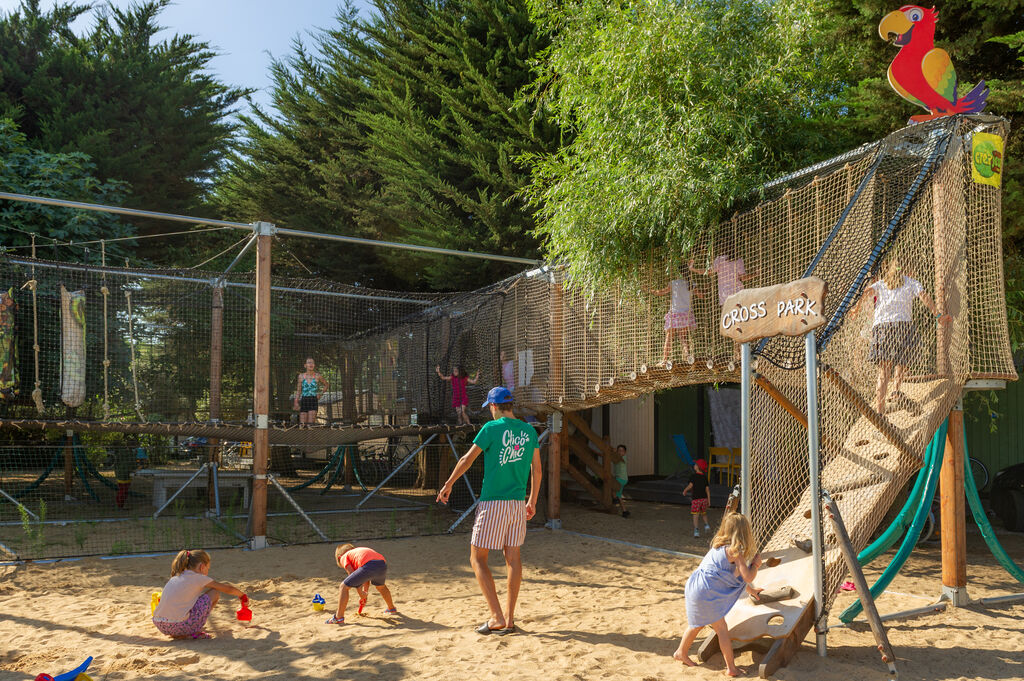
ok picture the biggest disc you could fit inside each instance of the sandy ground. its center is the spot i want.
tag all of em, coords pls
(589, 609)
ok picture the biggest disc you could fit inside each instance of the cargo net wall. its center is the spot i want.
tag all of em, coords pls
(903, 218)
(107, 346)
(124, 388)
(390, 363)
(660, 328)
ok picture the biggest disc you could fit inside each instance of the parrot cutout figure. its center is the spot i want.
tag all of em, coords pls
(922, 73)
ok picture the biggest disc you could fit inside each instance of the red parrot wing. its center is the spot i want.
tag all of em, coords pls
(903, 91)
(939, 72)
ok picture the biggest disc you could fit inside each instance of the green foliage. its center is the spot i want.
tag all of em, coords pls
(121, 546)
(1014, 266)
(35, 530)
(403, 127)
(146, 112)
(678, 110)
(25, 170)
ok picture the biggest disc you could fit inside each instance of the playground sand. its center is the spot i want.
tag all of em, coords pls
(589, 609)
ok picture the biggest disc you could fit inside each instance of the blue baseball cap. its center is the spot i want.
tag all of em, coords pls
(498, 395)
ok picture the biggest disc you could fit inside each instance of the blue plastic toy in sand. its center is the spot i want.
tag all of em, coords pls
(76, 674)
(318, 602)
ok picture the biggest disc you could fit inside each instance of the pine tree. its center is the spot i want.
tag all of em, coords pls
(146, 112)
(404, 127)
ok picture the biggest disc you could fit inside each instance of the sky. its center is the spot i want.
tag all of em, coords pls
(245, 33)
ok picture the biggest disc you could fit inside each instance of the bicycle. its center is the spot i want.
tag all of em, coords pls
(979, 471)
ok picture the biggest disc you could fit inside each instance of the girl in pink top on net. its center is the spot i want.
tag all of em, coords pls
(460, 396)
(732, 275)
(189, 595)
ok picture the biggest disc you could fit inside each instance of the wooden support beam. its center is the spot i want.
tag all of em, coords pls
(216, 370)
(578, 447)
(781, 399)
(881, 423)
(442, 463)
(586, 483)
(793, 410)
(954, 520)
(584, 428)
(610, 483)
(68, 464)
(558, 448)
(861, 583)
(261, 394)
(555, 476)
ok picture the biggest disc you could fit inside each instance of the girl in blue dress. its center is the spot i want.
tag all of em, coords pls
(310, 386)
(718, 582)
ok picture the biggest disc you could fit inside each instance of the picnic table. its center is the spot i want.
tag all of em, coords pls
(174, 478)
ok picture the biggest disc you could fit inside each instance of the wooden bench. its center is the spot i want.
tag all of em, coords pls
(173, 479)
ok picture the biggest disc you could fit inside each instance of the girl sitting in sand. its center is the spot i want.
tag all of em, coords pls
(717, 583)
(189, 595)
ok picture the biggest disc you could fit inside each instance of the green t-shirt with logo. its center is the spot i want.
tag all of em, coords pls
(508, 445)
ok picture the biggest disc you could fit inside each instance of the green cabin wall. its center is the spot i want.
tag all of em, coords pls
(1005, 445)
(676, 411)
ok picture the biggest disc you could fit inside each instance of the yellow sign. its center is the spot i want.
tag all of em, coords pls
(987, 158)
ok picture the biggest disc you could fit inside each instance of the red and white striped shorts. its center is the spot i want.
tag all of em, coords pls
(499, 523)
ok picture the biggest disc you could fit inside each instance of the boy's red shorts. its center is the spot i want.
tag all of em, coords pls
(699, 506)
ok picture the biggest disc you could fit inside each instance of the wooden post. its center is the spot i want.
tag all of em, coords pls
(216, 369)
(442, 463)
(556, 440)
(954, 520)
(609, 482)
(69, 469)
(349, 452)
(558, 445)
(261, 388)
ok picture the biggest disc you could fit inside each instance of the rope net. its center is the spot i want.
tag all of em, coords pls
(129, 354)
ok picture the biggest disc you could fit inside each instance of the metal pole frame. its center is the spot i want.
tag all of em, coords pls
(216, 281)
(180, 489)
(464, 475)
(216, 489)
(746, 370)
(8, 550)
(280, 488)
(101, 208)
(398, 468)
(19, 505)
(814, 463)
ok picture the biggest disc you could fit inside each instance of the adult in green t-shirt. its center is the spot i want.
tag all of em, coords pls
(511, 460)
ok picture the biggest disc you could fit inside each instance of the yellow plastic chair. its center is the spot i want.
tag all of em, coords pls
(720, 459)
(737, 463)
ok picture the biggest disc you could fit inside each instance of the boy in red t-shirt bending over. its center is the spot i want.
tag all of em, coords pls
(365, 567)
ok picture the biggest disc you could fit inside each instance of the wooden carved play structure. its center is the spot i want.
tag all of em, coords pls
(215, 355)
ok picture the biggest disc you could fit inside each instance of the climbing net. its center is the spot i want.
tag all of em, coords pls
(135, 352)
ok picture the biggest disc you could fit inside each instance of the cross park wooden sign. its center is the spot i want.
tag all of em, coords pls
(790, 309)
